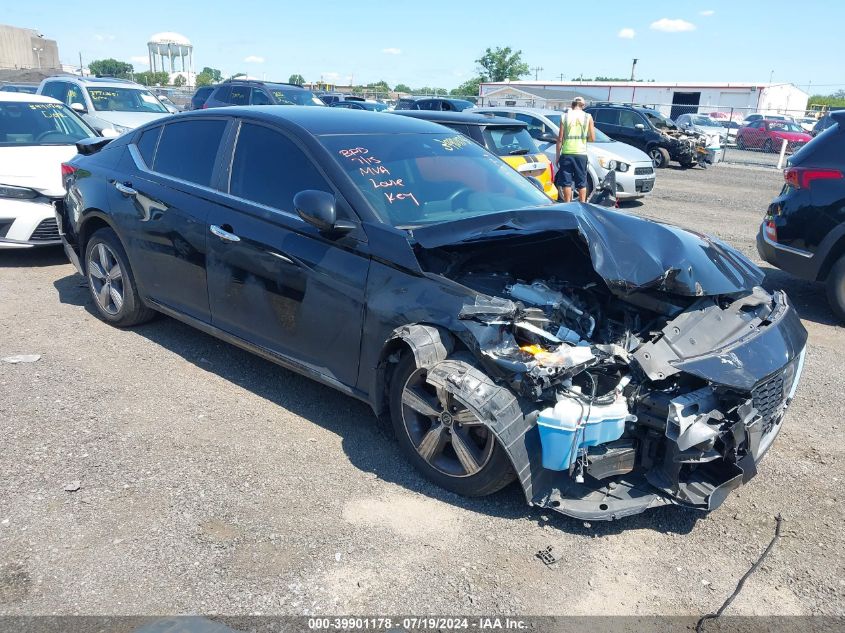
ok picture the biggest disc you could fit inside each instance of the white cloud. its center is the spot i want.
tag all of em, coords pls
(707, 13)
(104, 38)
(392, 51)
(254, 59)
(141, 60)
(626, 34)
(668, 25)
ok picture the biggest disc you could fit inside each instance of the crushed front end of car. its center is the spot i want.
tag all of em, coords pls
(647, 365)
(688, 148)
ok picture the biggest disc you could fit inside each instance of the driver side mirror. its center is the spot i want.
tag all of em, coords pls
(548, 137)
(318, 209)
(78, 108)
(639, 126)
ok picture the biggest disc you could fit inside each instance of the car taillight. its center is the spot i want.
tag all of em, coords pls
(801, 177)
(771, 230)
(67, 170)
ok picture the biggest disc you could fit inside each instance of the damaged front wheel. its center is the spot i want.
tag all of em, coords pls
(444, 440)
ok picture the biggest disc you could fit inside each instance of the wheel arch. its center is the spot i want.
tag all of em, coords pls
(94, 220)
(832, 256)
(429, 345)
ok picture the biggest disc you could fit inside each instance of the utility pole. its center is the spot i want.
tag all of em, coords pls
(537, 70)
(80, 64)
(561, 77)
(633, 68)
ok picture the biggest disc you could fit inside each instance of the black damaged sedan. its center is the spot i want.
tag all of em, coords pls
(608, 363)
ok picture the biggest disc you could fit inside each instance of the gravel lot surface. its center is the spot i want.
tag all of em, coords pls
(158, 470)
(752, 156)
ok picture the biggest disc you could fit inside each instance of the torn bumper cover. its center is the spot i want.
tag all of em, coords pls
(623, 364)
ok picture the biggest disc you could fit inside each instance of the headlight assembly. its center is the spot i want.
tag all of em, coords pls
(18, 193)
(622, 167)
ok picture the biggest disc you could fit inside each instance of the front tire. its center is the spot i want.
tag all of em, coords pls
(443, 439)
(767, 146)
(112, 283)
(836, 289)
(659, 157)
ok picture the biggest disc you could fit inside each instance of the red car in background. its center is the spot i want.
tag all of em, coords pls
(769, 134)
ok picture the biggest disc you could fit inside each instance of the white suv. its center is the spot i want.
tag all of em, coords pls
(105, 103)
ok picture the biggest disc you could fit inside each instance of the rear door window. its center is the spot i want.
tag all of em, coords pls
(239, 95)
(609, 116)
(188, 150)
(270, 169)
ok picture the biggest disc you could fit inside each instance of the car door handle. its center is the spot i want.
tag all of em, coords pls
(223, 234)
(125, 188)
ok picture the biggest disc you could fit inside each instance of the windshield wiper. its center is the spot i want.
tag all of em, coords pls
(518, 152)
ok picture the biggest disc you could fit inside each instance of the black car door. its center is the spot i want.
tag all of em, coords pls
(163, 207)
(628, 132)
(275, 280)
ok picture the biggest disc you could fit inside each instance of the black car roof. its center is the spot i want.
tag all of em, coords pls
(464, 118)
(323, 120)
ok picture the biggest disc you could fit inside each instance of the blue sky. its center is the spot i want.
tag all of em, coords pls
(435, 42)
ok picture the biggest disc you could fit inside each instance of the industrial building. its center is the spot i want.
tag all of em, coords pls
(672, 99)
(27, 49)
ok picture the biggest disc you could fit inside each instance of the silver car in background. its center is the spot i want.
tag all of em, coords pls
(703, 125)
(634, 170)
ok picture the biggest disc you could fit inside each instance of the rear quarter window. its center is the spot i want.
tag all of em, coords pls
(147, 145)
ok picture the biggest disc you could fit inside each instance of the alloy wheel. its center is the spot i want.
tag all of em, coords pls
(106, 279)
(656, 157)
(447, 435)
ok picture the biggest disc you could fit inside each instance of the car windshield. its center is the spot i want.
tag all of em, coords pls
(659, 121)
(703, 121)
(119, 99)
(785, 126)
(417, 179)
(40, 124)
(509, 141)
(295, 97)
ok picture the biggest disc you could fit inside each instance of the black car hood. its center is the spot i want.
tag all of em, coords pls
(628, 252)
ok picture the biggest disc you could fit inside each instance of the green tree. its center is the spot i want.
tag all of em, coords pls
(836, 100)
(425, 90)
(213, 73)
(403, 88)
(179, 81)
(378, 86)
(469, 88)
(501, 64)
(203, 79)
(297, 79)
(149, 78)
(110, 68)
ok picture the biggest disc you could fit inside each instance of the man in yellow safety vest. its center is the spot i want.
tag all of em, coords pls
(575, 130)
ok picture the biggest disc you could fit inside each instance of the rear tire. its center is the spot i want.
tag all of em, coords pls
(836, 289)
(659, 157)
(433, 442)
(112, 283)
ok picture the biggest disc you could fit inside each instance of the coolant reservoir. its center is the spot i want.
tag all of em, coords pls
(571, 425)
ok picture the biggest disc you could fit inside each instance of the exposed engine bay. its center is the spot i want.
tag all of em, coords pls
(688, 147)
(639, 397)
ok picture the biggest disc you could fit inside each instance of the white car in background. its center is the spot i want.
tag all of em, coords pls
(105, 103)
(37, 134)
(807, 123)
(634, 169)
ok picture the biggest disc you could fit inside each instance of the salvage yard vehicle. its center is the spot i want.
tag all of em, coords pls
(105, 103)
(608, 363)
(242, 92)
(769, 135)
(634, 172)
(651, 132)
(506, 138)
(803, 232)
(36, 135)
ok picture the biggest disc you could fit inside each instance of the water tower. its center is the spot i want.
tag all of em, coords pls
(167, 53)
